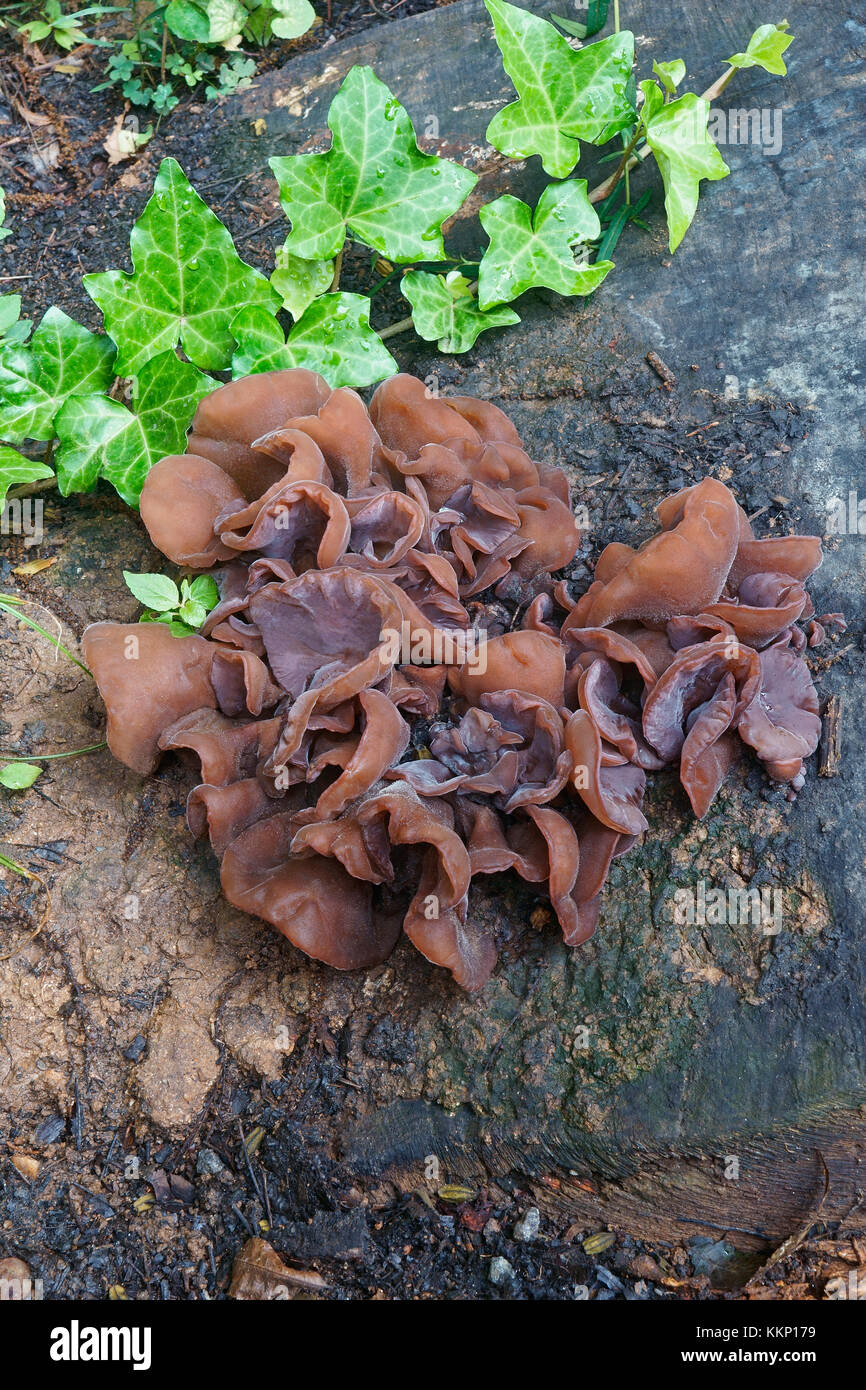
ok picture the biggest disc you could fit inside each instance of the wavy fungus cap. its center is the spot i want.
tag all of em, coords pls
(362, 749)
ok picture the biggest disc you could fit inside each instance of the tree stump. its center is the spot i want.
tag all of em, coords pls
(667, 1078)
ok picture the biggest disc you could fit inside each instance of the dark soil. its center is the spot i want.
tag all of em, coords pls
(75, 216)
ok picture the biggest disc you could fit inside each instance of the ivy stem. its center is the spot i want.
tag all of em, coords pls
(338, 266)
(625, 169)
(393, 328)
(629, 161)
(30, 489)
(633, 160)
(719, 85)
(163, 53)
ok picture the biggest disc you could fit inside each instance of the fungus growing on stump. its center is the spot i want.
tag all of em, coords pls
(394, 694)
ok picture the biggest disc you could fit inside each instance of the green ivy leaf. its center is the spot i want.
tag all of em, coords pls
(10, 312)
(299, 282)
(670, 74)
(373, 180)
(295, 18)
(332, 337)
(155, 591)
(653, 100)
(100, 438)
(13, 329)
(685, 154)
(19, 776)
(445, 311)
(15, 469)
(564, 96)
(529, 249)
(62, 359)
(187, 285)
(765, 49)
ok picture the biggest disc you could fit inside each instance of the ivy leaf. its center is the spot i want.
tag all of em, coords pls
(19, 776)
(155, 591)
(62, 359)
(685, 154)
(564, 96)
(653, 101)
(670, 74)
(528, 249)
(187, 285)
(765, 49)
(373, 180)
(10, 312)
(295, 18)
(15, 469)
(445, 311)
(332, 337)
(299, 282)
(4, 231)
(100, 438)
(13, 329)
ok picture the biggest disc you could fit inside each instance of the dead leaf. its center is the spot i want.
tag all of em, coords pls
(28, 1167)
(125, 141)
(130, 180)
(35, 566)
(260, 1275)
(31, 117)
(171, 1190)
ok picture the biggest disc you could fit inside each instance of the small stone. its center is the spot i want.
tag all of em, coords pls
(136, 1048)
(15, 1280)
(208, 1164)
(529, 1225)
(500, 1270)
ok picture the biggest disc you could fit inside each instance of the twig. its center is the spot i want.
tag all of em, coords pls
(831, 738)
(661, 369)
(254, 231)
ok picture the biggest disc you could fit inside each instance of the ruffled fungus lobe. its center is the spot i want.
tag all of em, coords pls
(362, 750)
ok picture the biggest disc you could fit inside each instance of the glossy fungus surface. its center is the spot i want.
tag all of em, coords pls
(398, 690)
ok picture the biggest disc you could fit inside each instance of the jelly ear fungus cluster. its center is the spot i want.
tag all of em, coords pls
(351, 787)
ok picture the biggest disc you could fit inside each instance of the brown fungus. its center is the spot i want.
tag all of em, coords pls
(362, 750)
